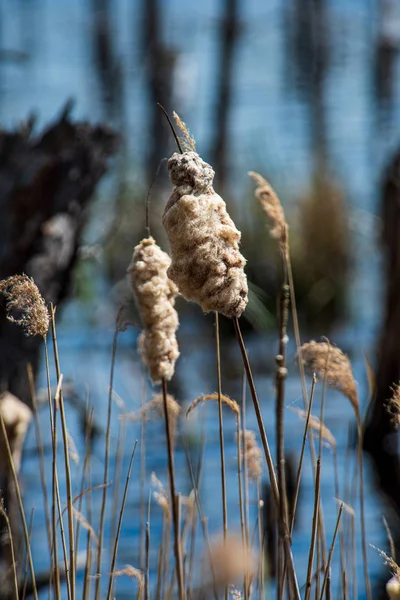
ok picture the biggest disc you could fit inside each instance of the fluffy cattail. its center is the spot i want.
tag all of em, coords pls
(393, 588)
(206, 263)
(272, 207)
(161, 496)
(251, 452)
(328, 362)
(315, 424)
(231, 561)
(24, 305)
(155, 296)
(17, 417)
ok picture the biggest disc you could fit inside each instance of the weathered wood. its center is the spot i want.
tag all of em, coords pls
(46, 183)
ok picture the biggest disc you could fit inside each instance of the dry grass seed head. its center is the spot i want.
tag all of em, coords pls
(232, 404)
(231, 561)
(160, 495)
(24, 305)
(272, 207)
(85, 524)
(393, 407)
(330, 363)
(187, 140)
(155, 296)
(252, 454)
(315, 424)
(134, 573)
(207, 265)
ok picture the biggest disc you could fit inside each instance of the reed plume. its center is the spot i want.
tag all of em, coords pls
(24, 305)
(316, 425)
(232, 404)
(155, 295)
(273, 208)
(188, 142)
(155, 410)
(207, 265)
(232, 563)
(330, 364)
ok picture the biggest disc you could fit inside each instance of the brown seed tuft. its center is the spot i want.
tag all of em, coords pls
(134, 573)
(206, 262)
(252, 454)
(233, 405)
(24, 305)
(272, 207)
(328, 361)
(155, 295)
(160, 495)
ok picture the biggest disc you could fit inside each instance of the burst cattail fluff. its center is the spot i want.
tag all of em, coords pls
(24, 305)
(206, 263)
(393, 588)
(252, 454)
(155, 295)
(329, 362)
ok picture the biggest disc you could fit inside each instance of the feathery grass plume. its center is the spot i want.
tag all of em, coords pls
(272, 207)
(339, 375)
(252, 452)
(232, 404)
(155, 410)
(315, 424)
(207, 265)
(188, 142)
(24, 305)
(393, 407)
(160, 495)
(17, 417)
(72, 449)
(155, 295)
(134, 573)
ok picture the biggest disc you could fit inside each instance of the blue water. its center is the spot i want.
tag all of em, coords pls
(270, 132)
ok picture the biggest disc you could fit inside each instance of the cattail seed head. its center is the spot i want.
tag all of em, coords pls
(24, 305)
(251, 452)
(330, 363)
(155, 295)
(206, 263)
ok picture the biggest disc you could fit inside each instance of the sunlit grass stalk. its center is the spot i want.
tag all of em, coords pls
(66, 460)
(268, 456)
(117, 477)
(83, 478)
(221, 438)
(147, 563)
(241, 505)
(121, 514)
(106, 460)
(362, 505)
(88, 564)
(260, 537)
(142, 510)
(55, 492)
(10, 537)
(317, 489)
(171, 471)
(342, 542)
(328, 565)
(26, 567)
(20, 504)
(41, 455)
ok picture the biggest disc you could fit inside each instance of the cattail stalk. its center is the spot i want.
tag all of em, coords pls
(171, 471)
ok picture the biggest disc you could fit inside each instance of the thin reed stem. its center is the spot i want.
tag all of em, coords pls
(84, 470)
(147, 557)
(341, 533)
(300, 467)
(117, 477)
(280, 429)
(55, 493)
(171, 470)
(268, 456)
(221, 438)
(142, 509)
(328, 565)
(260, 538)
(106, 459)
(26, 568)
(362, 506)
(241, 507)
(88, 564)
(10, 537)
(313, 531)
(66, 460)
(121, 514)
(20, 504)
(41, 455)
